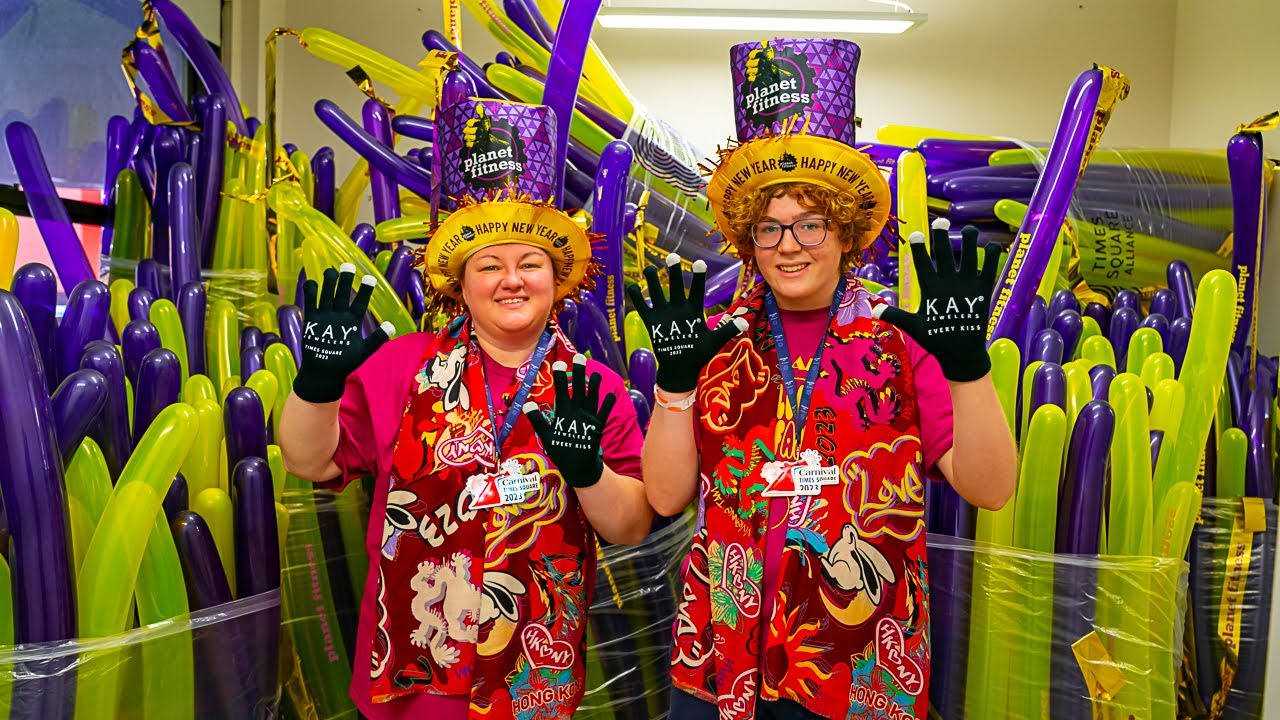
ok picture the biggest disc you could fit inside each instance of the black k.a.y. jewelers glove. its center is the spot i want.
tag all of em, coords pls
(332, 346)
(682, 342)
(572, 439)
(952, 320)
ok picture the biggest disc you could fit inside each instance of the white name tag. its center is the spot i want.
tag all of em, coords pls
(803, 479)
(508, 486)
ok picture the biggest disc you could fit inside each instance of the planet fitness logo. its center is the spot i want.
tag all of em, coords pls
(492, 151)
(779, 84)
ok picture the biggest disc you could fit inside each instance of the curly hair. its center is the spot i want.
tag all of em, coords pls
(847, 219)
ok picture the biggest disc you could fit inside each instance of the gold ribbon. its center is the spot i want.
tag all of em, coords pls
(1101, 672)
(1115, 87)
(1270, 121)
(148, 32)
(1250, 518)
(453, 22)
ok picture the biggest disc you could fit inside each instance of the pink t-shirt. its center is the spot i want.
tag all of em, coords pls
(804, 330)
(373, 405)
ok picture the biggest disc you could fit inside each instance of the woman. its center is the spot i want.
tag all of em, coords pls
(483, 535)
(806, 441)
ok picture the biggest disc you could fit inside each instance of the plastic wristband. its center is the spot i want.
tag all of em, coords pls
(677, 406)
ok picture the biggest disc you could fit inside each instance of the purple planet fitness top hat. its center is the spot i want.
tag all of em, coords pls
(489, 144)
(777, 82)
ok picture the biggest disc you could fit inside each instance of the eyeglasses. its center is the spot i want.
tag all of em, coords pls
(808, 232)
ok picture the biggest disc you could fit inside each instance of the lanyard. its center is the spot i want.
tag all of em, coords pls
(799, 407)
(517, 403)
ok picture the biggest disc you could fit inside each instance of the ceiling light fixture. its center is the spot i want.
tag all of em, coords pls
(771, 21)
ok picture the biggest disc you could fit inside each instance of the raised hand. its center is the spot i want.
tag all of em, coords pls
(572, 439)
(682, 341)
(332, 347)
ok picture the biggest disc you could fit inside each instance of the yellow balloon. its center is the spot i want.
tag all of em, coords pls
(264, 383)
(1098, 351)
(288, 200)
(913, 216)
(1005, 361)
(88, 488)
(1144, 343)
(222, 343)
(278, 359)
(1156, 368)
(275, 461)
(911, 135)
(345, 53)
(1129, 526)
(214, 505)
(635, 334)
(199, 387)
(110, 569)
(201, 466)
(164, 315)
(408, 227)
(120, 290)
(8, 247)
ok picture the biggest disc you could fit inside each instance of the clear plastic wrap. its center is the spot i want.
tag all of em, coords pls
(1060, 636)
(235, 667)
(1232, 562)
(244, 288)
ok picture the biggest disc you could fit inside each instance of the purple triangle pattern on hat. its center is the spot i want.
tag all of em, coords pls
(488, 145)
(777, 80)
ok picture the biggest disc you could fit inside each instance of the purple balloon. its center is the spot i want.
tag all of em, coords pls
(176, 500)
(35, 506)
(1244, 160)
(720, 287)
(160, 81)
(36, 290)
(1156, 440)
(505, 58)
(1036, 321)
(972, 211)
(1179, 277)
(413, 126)
(594, 327)
(1258, 479)
(607, 122)
(184, 245)
(257, 546)
(206, 580)
(1047, 346)
(117, 140)
(111, 430)
(567, 319)
(1048, 387)
(1131, 217)
(963, 152)
(642, 407)
(250, 337)
(1047, 209)
(1237, 384)
(84, 320)
(417, 295)
(1100, 377)
(46, 207)
(191, 308)
(1101, 315)
(872, 273)
(289, 318)
(1070, 326)
(251, 361)
(399, 268)
(518, 13)
(1127, 298)
(365, 237)
(244, 425)
(1160, 324)
(889, 295)
(140, 337)
(378, 155)
(166, 152)
(76, 404)
(608, 213)
(456, 87)
(203, 60)
(1063, 300)
(147, 275)
(1164, 303)
(139, 302)
(642, 371)
(325, 177)
(386, 198)
(1124, 321)
(563, 74)
(1079, 523)
(1179, 335)
(938, 182)
(159, 385)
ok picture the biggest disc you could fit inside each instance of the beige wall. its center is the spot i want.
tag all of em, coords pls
(1226, 70)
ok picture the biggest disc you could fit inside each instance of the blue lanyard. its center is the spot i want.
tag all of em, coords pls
(515, 409)
(799, 407)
